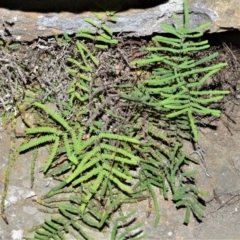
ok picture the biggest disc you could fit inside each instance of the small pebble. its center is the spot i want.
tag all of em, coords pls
(17, 234)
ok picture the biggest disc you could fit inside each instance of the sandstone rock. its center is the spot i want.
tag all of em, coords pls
(27, 20)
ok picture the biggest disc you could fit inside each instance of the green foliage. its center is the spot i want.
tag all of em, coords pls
(102, 162)
(175, 87)
(128, 234)
(96, 165)
(104, 33)
(95, 170)
(162, 167)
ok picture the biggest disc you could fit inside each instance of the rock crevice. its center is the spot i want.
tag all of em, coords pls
(26, 26)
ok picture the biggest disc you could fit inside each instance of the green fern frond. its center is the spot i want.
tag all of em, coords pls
(119, 137)
(95, 187)
(86, 177)
(70, 154)
(52, 155)
(129, 232)
(174, 86)
(54, 115)
(36, 142)
(43, 130)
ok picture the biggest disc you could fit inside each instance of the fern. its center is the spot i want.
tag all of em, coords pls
(52, 155)
(54, 115)
(102, 157)
(164, 166)
(37, 142)
(93, 159)
(128, 233)
(102, 35)
(185, 194)
(175, 86)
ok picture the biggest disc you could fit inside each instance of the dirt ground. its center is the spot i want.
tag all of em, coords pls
(219, 176)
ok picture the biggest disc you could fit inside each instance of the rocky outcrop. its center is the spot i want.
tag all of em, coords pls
(27, 20)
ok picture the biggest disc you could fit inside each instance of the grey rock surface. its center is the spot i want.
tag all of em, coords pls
(24, 22)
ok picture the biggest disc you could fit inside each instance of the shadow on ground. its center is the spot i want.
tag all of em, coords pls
(76, 6)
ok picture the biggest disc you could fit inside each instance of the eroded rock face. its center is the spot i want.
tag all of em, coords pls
(27, 20)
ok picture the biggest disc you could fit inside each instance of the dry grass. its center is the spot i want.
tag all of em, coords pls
(41, 66)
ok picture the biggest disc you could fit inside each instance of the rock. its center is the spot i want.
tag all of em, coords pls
(27, 20)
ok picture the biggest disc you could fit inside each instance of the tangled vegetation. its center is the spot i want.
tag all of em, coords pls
(114, 139)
